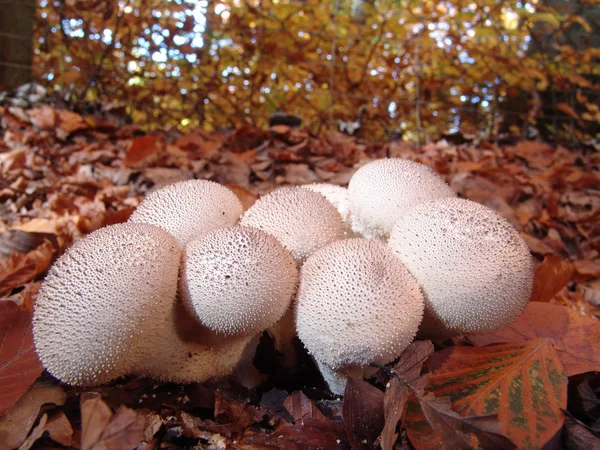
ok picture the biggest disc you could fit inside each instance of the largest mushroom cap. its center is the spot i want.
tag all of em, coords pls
(302, 220)
(238, 280)
(475, 269)
(189, 209)
(356, 304)
(384, 190)
(99, 299)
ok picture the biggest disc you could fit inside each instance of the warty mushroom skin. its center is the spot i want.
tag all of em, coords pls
(338, 197)
(357, 304)
(238, 280)
(474, 268)
(99, 299)
(301, 219)
(382, 191)
(189, 209)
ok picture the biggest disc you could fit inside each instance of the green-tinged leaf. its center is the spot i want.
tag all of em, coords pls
(523, 385)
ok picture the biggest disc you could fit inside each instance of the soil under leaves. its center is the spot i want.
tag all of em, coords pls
(64, 175)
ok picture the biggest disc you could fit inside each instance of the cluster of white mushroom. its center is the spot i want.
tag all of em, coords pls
(183, 291)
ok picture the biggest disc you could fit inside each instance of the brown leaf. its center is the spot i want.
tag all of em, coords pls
(103, 430)
(239, 413)
(362, 411)
(457, 432)
(70, 122)
(43, 117)
(59, 429)
(19, 364)
(141, 148)
(567, 109)
(311, 434)
(21, 268)
(35, 434)
(577, 437)
(406, 371)
(587, 268)
(16, 423)
(550, 277)
(28, 295)
(301, 407)
(576, 338)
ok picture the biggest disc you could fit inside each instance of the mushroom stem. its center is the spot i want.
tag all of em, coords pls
(336, 379)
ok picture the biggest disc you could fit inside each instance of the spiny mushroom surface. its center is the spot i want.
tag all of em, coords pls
(99, 299)
(473, 266)
(356, 304)
(189, 209)
(337, 195)
(384, 190)
(301, 219)
(238, 280)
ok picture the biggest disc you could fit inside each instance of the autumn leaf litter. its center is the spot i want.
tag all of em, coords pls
(64, 176)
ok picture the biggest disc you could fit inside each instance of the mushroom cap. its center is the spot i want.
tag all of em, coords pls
(189, 209)
(302, 220)
(356, 304)
(99, 298)
(337, 196)
(238, 280)
(382, 191)
(473, 266)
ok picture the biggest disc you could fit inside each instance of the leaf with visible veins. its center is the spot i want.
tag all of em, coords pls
(19, 364)
(576, 337)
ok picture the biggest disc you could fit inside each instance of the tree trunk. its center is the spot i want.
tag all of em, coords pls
(16, 42)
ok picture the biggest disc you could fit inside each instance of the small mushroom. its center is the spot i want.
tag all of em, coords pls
(473, 266)
(301, 219)
(357, 304)
(384, 190)
(189, 209)
(100, 299)
(238, 280)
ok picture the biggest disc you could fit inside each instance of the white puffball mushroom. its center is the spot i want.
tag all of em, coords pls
(189, 209)
(357, 304)
(337, 196)
(382, 191)
(238, 280)
(99, 299)
(473, 266)
(301, 219)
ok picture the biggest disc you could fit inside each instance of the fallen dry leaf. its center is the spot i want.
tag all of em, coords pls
(576, 337)
(550, 277)
(523, 384)
(16, 423)
(141, 148)
(103, 430)
(21, 268)
(19, 364)
(311, 434)
(240, 414)
(301, 407)
(363, 413)
(406, 372)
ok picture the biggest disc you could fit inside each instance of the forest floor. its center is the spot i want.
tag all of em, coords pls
(64, 175)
